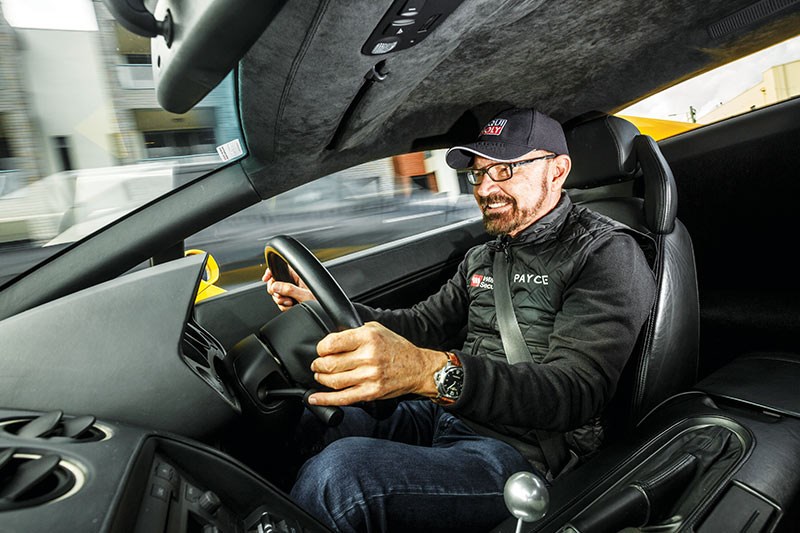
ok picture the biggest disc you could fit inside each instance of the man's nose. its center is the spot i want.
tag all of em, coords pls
(486, 187)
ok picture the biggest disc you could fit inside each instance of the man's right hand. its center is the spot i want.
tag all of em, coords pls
(284, 294)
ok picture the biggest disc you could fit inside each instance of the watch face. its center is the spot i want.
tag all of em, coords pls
(452, 382)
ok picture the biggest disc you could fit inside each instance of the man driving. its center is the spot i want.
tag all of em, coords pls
(581, 289)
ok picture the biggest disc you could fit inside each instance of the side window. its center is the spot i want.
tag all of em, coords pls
(758, 80)
(345, 212)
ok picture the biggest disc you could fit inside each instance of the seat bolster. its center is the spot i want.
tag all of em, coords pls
(668, 364)
(661, 194)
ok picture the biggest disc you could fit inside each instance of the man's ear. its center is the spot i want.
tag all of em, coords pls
(563, 164)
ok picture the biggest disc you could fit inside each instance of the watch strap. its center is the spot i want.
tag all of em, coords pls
(453, 358)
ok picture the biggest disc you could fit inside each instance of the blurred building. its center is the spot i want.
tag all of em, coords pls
(778, 83)
(20, 157)
(85, 99)
(81, 131)
(144, 130)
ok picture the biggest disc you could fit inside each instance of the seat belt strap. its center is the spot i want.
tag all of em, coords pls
(516, 349)
(514, 344)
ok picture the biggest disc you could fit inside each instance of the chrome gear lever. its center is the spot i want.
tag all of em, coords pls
(527, 497)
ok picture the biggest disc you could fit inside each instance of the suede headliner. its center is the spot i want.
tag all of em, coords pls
(565, 58)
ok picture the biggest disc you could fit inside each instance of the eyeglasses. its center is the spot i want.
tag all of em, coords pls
(499, 171)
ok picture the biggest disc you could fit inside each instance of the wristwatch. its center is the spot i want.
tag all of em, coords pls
(449, 380)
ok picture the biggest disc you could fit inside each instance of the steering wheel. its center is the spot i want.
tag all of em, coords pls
(282, 251)
(339, 314)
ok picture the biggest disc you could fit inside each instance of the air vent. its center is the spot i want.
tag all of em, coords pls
(202, 353)
(28, 479)
(200, 346)
(747, 16)
(54, 426)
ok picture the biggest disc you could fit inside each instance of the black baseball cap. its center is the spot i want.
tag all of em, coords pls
(510, 135)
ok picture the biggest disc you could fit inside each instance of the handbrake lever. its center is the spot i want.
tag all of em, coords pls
(639, 502)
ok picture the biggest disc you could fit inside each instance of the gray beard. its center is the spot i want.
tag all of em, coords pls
(506, 223)
(514, 220)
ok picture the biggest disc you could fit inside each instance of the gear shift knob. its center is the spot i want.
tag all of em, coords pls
(527, 497)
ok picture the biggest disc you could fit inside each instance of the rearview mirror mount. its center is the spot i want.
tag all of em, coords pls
(194, 45)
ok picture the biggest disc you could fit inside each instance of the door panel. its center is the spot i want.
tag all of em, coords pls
(738, 189)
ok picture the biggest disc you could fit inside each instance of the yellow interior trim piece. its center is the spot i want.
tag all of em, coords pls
(210, 277)
(658, 128)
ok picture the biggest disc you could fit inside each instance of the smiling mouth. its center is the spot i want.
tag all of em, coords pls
(494, 204)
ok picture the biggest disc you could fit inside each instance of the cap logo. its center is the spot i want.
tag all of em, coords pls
(495, 127)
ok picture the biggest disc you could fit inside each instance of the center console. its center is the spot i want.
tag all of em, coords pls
(720, 458)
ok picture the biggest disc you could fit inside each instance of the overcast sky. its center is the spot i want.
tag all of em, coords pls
(51, 14)
(717, 86)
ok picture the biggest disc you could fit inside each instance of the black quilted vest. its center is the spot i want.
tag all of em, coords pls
(545, 259)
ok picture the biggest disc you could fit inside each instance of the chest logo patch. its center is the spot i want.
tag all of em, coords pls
(538, 279)
(481, 281)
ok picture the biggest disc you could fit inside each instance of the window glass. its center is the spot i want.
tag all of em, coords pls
(342, 213)
(758, 80)
(83, 140)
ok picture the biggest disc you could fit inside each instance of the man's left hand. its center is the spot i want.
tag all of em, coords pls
(372, 362)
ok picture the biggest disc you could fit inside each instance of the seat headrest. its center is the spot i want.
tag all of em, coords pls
(602, 152)
(609, 150)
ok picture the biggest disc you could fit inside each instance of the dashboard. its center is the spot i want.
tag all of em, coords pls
(127, 349)
(103, 422)
(61, 473)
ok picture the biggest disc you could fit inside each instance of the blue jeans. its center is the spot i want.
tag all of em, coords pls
(422, 469)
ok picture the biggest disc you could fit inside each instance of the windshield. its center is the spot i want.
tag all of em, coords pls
(83, 140)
